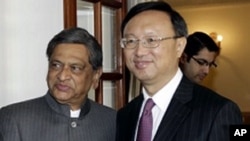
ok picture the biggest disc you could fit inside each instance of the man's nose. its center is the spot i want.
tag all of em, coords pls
(64, 74)
(206, 69)
(140, 48)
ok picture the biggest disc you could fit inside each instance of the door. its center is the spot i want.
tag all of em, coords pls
(103, 18)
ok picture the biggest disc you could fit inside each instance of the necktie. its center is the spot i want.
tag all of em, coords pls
(144, 132)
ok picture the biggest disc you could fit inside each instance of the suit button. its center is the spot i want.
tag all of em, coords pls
(73, 124)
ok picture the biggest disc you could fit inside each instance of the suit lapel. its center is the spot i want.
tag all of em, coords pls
(176, 112)
(134, 115)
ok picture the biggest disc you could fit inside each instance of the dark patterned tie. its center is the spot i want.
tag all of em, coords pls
(145, 127)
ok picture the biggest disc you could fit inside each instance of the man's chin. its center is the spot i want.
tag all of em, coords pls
(200, 79)
(61, 95)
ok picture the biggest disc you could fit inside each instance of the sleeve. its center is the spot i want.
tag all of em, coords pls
(229, 114)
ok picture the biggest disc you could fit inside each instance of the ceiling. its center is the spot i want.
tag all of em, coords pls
(184, 3)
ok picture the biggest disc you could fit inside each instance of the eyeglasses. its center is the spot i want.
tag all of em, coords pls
(147, 41)
(203, 62)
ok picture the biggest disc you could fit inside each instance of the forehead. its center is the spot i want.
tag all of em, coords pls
(149, 22)
(68, 50)
(206, 54)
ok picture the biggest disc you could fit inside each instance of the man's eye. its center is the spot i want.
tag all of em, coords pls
(151, 40)
(55, 65)
(76, 68)
(131, 41)
(200, 62)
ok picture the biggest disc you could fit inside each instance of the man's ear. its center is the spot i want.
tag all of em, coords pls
(181, 44)
(96, 78)
(183, 58)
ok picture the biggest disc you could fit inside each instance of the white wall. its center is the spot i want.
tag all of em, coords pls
(25, 29)
(231, 78)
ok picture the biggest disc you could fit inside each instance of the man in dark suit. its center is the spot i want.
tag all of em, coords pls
(65, 113)
(153, 39)
(199, 56)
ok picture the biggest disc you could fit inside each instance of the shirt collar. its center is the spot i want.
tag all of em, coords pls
(163, 97)
(64, 109)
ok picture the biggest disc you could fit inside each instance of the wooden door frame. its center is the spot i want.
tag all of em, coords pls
(70, 20)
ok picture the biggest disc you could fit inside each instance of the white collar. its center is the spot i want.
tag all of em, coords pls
(75, 114)
(163, 97)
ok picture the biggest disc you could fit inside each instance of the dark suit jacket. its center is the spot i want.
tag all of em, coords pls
(43, 119)
(195, 113)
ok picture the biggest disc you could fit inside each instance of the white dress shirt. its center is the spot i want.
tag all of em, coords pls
(161, 99)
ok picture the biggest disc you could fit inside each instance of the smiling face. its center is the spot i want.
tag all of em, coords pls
(154, 67)
(193, 70)
(70, 75)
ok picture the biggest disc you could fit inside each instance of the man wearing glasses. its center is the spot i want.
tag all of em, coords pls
(170, 107)
(199, 56)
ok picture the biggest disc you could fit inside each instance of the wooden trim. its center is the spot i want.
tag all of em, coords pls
(122, 93)
(99, 93)
(70, 17)
(118, 76)
(246, 117)
(98, 36)
(112, 3)
(92, 1)
(98, 21)
(111, 76)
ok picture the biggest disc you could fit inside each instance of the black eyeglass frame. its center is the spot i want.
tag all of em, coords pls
(203, 62)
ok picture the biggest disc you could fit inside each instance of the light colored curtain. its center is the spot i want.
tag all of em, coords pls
(134, 85)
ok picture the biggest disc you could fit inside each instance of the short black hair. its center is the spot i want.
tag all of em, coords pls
(197, 41)
(78, 35)
(177, 20)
